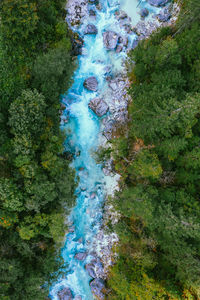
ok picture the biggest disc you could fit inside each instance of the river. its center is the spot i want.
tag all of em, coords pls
(84, 135)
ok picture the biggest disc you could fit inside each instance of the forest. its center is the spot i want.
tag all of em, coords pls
(36, 182)
(158, 157)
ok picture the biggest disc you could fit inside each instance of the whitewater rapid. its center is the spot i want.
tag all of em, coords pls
(84, 135)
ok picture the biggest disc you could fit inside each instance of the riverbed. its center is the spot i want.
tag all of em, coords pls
(86, 243)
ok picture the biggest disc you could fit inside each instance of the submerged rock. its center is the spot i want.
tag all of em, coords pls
(78, 298)
(92, 13)
(144, 12)
(91, 29)
(93, 196)
(91, 84)
(81, 256)
(71, 229)
(158, 2)
(110, 39)
(99, 106)
(65, 294)
(97, 285)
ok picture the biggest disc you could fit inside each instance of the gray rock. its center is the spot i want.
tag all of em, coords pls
(109, 128)
(81, 256)
(123, 40)
(98, 267)
(91, 84)
(65, 294)
(76, 11)
(113, 85)
(144, 12)
(91, 29)
(97, 285)
(121, 15)
(158, 2)
(120, 40)
(99, 106)
(77, 45)
(91, 271)
(119, 48)
(135, 43)
(110, 39)
(95, 268)
(127, 28)
(92, 13)
(164, 17)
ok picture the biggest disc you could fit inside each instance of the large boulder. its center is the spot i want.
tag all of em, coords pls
(91, 270)
(158, 2)
(91, 29)
(144, 12)
(76, 11)
(91, 84)
(81, 255)
(65, 294)
(95, 268)
(99, 106)
(110, 39)
(97, 286)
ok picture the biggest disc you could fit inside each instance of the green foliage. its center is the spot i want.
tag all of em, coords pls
(145, 165)
(52, 73)
(10, 196)
(27, 114)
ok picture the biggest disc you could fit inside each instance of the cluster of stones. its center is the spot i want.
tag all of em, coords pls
(96, 271)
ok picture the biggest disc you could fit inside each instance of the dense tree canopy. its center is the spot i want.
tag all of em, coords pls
(36, 182)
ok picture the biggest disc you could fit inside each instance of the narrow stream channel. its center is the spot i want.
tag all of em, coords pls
(84, 131)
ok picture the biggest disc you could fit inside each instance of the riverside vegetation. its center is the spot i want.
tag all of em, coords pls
(36, 183)
(158, 157)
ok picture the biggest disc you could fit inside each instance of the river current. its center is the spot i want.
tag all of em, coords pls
(84, 137)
